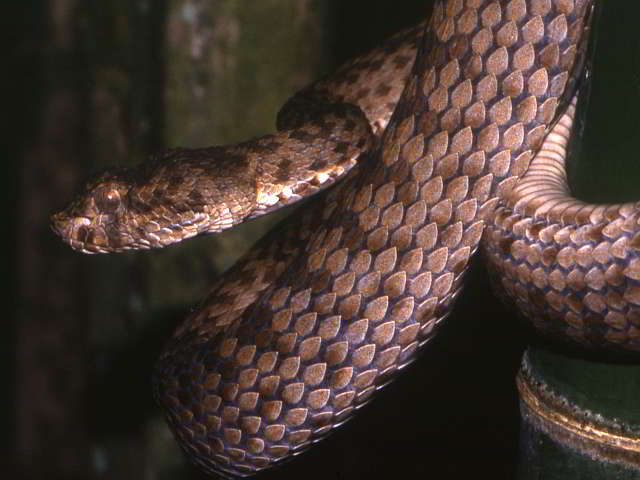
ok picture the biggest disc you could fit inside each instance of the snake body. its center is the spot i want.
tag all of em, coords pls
(571, 267)
(328, 307)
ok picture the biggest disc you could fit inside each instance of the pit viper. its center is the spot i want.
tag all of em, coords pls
(461, 148)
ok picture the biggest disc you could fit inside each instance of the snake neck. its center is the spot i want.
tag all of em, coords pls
(186, 192)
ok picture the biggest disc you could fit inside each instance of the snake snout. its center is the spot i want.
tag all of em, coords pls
(65, 226)
(80, 233)
(76, 231)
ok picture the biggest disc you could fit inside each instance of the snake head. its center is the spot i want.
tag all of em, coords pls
(92, 222)
(165, 200)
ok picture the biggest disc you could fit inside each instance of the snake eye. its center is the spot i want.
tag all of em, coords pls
(107, 200)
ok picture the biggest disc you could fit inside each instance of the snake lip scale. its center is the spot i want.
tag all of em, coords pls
(331, 305)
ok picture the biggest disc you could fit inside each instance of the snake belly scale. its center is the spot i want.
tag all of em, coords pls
(329, 306)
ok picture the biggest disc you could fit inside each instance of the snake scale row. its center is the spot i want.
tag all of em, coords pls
(328, 307)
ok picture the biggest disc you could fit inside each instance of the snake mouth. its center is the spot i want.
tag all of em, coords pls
(80, 233)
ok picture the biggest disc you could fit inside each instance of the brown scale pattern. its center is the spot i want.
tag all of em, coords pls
(389, 64)
(572, 268)
(185, 192)
(326, 310)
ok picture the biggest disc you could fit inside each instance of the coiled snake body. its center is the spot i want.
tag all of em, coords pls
(330, 305)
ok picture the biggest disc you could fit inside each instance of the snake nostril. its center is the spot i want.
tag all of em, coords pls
(85, 234)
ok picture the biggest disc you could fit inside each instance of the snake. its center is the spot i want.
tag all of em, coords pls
(448, 139)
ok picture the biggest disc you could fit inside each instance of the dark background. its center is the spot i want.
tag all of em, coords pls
(89, 84)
